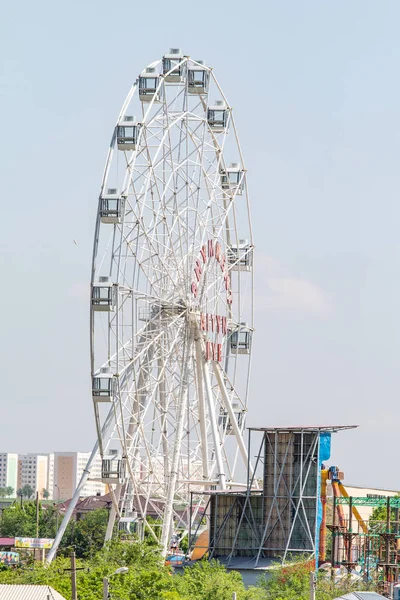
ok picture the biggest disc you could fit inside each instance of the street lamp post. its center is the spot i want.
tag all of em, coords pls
(313, 585)
(106, 581)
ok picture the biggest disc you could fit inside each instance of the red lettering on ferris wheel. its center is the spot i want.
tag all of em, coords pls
(211, 323)
(212, 249)
(227, 280)
(213, 351)
(198, 270)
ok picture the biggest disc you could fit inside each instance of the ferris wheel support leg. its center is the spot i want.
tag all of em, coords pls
(232, 416)
(173, 476)
(214, 425)
(113, 512)
(83, 480)
(72, 504)
(202, 411)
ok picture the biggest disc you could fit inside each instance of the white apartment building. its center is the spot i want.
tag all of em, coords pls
(68, 469)
(8, 470)
(33, 470)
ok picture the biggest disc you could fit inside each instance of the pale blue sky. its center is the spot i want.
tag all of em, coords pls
(315, 89)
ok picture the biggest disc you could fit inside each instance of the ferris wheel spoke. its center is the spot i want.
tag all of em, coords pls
(202, 411)
(231, 414)
(141, 379)
(155, 263)
(173, 474)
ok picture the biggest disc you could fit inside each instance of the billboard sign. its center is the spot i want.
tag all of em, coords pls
(23, 542)
(9, 558)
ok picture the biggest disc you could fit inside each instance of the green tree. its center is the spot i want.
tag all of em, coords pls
(21, 521)
(10, 491)
(207, 581)
(48, 521)
(26, 491)
(379, 514)
(18, 522)
(87, 534)
(3, 492)
(292, 581)
(147, 578)
(141, 554)
(45, 493)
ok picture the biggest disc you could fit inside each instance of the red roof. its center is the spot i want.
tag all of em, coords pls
(87, 504)
(7, 541)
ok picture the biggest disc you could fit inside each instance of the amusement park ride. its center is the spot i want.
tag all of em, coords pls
(171, 315)
(369, 549)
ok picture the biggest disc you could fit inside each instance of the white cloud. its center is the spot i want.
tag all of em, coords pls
(278, 289)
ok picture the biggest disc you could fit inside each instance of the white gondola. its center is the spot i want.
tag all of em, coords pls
(240, 256)
(148, 84)
(112, 207)
(103, 386)
(225, 422)
(173, 60)
(241, 339)
(198, 79)
(129, 526)
(217, 117)
(127, 134)
(113, 468)
(232, 179)
(104, 295)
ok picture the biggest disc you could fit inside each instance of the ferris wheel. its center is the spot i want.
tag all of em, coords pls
(171, 298)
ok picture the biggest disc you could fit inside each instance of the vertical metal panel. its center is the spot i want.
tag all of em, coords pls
(282, 518)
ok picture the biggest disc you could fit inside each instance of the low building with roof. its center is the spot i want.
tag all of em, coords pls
(86, 505)
(29, 592)
(361, 596)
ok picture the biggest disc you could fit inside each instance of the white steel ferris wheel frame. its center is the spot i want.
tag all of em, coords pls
(178, 324)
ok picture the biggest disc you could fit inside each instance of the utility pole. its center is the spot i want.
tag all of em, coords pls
(73, 576)
(313, 585)
(105, 588)
(73, 570)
